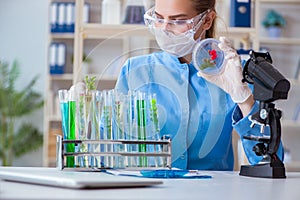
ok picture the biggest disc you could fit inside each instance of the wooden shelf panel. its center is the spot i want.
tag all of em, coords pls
(238, 33)
(61, 77)
(95, 31)
(92, 31)
(62, 35)
(237, 30)
(100, 31)
(280, 1)
(55, 118)
(280, 41)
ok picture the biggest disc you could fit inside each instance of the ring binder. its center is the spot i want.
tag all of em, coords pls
(240, 13)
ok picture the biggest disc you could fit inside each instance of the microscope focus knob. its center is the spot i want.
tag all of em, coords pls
(260, 149)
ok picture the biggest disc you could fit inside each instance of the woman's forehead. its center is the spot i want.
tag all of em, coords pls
(169, 8)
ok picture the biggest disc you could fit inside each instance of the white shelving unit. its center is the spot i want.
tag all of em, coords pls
(117, 41)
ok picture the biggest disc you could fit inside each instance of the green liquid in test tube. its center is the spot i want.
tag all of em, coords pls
(155, 127)
(72, 128)
(141, 119)
(154, 115)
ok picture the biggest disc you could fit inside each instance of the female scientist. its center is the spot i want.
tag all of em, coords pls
(198, 111)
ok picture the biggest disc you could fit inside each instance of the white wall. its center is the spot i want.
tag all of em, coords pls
(23, 36)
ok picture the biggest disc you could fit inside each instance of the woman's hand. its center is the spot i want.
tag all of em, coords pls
(230, 78)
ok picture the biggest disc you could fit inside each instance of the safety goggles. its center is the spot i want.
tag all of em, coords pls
(153, 21)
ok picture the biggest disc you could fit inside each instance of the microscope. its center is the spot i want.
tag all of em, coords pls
(269, 85)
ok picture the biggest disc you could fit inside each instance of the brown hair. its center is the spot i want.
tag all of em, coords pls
(203, 5)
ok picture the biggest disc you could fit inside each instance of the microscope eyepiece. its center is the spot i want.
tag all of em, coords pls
(269, 83)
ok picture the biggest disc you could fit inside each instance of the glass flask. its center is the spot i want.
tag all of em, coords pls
(134, 12)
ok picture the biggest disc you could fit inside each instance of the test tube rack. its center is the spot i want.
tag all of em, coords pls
(62, 154)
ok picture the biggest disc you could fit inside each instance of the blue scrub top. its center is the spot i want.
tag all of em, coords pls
(196, 114)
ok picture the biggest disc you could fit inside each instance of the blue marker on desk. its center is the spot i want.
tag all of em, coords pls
(170, 173)
(160, 173)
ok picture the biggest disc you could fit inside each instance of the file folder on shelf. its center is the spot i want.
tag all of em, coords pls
(62, 17)
(57, 58)
(240, 15)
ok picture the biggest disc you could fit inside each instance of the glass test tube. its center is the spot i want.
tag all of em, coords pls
(155, 129)
(141, 123)
(72, 127)
(96, 111)
(81, 127)
(88, 123)
(119, 110)
(107, 125)
(131, 130)
(64, 110)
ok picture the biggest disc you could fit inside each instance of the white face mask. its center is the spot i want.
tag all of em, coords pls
(178, 45)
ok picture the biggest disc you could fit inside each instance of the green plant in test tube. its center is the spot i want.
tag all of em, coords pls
(81, 126)
(85, 106)
(96, 113)
(90, 83)
(107, 132)
(120, 110)
(118, 117)
(107, 124)
(107, 120)
(96, 118)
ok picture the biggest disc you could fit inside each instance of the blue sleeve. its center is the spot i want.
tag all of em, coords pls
(242, 126)
(122, 82)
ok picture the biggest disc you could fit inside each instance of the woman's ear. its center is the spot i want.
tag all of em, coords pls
(208, 21)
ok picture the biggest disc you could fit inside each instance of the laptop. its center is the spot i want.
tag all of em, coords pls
(72, 179)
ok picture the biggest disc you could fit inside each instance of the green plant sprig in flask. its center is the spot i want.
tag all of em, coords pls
(85, 110)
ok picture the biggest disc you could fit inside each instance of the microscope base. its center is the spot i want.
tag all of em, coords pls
(263, 171)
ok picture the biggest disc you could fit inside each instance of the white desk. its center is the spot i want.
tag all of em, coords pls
(223, 185)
